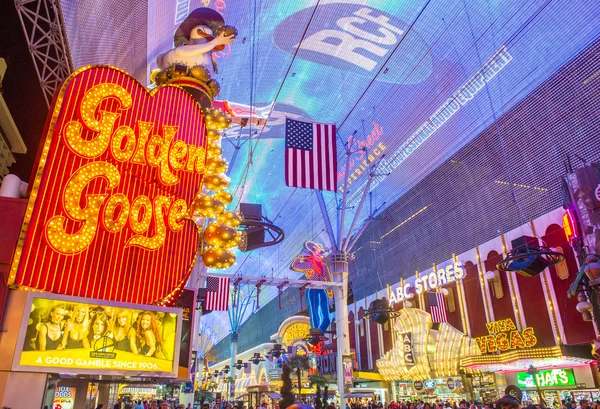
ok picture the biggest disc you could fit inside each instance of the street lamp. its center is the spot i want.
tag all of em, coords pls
(276, 351)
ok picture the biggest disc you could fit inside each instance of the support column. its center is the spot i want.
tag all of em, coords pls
(233, 351)
(338, 265)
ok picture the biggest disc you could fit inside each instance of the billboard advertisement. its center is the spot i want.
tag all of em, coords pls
(546, 378)
(64, 398)
(186, 302)
(85, 336)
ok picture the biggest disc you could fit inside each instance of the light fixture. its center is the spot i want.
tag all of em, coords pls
(584, 307)
(255, 227)
(315, 336)
(276, 351)
(380, 311)
(256, 359)
(528, 258)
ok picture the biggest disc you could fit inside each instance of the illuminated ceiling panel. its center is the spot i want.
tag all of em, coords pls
(416, 80)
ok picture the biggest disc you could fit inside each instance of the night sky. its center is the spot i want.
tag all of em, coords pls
(21, 88)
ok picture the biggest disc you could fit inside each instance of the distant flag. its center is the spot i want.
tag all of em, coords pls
(310, 155)
(217, 293)
(437, 307)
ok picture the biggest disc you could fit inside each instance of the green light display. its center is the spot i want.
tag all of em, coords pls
(546, 378)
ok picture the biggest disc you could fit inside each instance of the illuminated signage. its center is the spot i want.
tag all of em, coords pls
(570, 224)
(366, 153)
(295, 332)
(442, 276)
(429, 384)
(504, 335)
(418, 385)
(186, 302)
(407, 348)
(546, 378)
(64, 398)
(82, 336)
(117, 174)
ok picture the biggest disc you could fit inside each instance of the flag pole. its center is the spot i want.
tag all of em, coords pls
(325, 214)
(344, 198)
(372, 175)
(359, 233)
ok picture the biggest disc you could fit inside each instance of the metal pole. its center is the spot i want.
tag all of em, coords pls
(326, 218)
(345, 197)
(357, 214)
(338, 265)
(358, 234)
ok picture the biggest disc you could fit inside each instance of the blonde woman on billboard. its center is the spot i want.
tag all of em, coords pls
(98, 330)
(123, 333)
(50, 331)
(75, 328)
(149, 339)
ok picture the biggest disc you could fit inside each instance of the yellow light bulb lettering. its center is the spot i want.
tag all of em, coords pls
(118, 151)
(196, 159)
(177, 213)
(56, 233)
(143, 205)
(117, 201)
(144, 132)
(178, 151)
(160, 230)
(92, 148)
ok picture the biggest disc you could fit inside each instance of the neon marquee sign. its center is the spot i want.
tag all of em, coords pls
(117, 175)
(504, 336)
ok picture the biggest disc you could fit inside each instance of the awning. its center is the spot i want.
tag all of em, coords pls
(541, 358)
(243, 395)
(273, 395)
(359, 395)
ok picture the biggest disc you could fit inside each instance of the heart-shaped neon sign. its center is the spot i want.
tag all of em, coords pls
(117, 175)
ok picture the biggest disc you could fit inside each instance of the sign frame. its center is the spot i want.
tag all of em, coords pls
(16, 366)
(570, 374)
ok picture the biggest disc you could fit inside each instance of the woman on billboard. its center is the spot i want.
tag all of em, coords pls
(97, 331)
(75, 328)
(50, 332)
(149, 340)
(123, 333)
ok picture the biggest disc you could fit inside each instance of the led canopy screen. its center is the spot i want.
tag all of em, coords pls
(84, 336)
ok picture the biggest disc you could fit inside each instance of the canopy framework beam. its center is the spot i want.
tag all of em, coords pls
(46, 38)
(278, 282)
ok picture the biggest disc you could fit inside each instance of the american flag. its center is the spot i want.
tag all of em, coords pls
(310, 155)
(437, 307)
(217, 293)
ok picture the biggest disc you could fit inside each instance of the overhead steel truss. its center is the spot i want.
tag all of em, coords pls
(46, 37)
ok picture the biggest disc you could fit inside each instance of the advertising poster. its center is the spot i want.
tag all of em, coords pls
(409, 358)
(348, 372)
(186, 303)
(64, 398)
(84, 336)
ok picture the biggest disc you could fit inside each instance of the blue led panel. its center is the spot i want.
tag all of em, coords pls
(413, 81)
